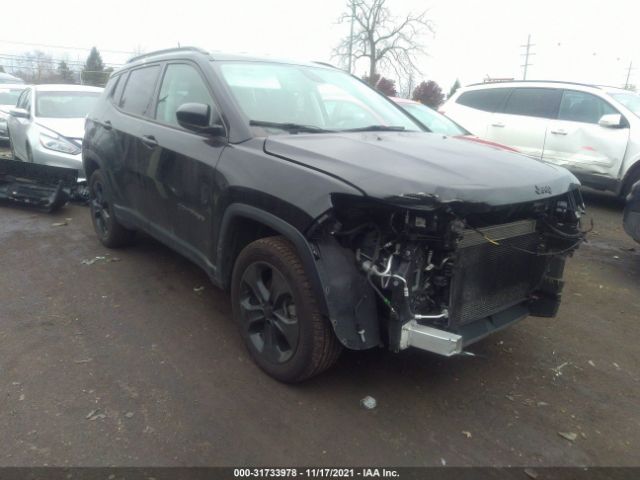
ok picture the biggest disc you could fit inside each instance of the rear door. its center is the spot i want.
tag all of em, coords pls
(524, 120)
(473, 109)
(576, 141)
(134, 176)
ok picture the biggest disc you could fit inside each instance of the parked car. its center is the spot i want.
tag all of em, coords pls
(631, 216)
(593, 131)
(326, 237)
(9, 94)
(8, 78)
(47, 124)
(437, 123)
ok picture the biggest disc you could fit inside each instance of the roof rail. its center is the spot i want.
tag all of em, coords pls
(167, 50)
(533, 81)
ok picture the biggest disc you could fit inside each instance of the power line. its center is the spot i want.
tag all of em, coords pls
(526, 56)
(49, 60)
(43, 45)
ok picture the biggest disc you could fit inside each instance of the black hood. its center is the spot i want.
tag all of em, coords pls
(425, 165)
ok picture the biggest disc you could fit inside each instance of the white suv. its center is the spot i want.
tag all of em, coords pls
(593, 131)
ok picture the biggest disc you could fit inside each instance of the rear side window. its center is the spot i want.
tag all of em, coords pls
(488, 99)
(116, 92)
(583, 107)
(138, 92)
(534, 102)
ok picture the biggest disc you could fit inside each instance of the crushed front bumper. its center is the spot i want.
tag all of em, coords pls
(41, 186)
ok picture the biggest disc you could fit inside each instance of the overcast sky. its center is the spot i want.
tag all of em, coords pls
(587, 41)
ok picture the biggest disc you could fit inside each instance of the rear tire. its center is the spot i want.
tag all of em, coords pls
(110, 233)
(278, 314)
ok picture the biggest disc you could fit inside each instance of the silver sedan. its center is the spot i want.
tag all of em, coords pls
(47, 124)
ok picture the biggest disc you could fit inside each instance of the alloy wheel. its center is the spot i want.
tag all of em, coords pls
(269, 312)
(100, 208)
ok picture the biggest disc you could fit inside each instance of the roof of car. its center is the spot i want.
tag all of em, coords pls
(61, 87)
(182, 52)
(529, 83)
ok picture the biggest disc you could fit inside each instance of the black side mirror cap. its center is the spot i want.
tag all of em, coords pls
(197, 118)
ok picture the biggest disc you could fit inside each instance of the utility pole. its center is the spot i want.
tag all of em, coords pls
(526, 56)
(353, 17)
(626, 83)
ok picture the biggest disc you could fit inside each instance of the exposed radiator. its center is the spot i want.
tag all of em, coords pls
(489, 278)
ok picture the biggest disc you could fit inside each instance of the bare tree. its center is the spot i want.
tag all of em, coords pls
(386, 41)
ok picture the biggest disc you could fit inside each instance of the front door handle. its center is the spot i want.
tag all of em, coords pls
(559, 132)
(150, 141)
(107, 125)
(498, 124)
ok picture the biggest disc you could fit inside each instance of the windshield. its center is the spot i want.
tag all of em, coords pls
(317, 98)
(65, 104)
(629, 100)
(9, 96)
(434, 121)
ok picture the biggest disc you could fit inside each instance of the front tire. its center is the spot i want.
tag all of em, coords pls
(110, 233)
(278, 314)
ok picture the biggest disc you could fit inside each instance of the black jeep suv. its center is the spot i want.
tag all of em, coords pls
(334, 219)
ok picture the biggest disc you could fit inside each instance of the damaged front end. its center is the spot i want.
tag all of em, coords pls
(41, 186)
(414, 272)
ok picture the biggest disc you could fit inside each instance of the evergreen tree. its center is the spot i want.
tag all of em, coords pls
(93, 72)
(64, 73)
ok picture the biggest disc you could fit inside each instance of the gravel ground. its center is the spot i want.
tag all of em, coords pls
(121, 362)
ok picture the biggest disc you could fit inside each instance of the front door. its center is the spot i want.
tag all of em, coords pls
(181, 169)
(576, 141)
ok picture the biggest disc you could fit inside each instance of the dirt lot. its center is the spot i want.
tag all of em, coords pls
(122, 363)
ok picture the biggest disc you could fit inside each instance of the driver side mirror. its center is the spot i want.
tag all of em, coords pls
(196, 117)
(612, 120)
(19, 113)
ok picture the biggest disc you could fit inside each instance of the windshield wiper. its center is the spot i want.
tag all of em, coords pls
(289, 127)
(376, 128)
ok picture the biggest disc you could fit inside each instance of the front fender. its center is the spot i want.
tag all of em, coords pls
(342, 292)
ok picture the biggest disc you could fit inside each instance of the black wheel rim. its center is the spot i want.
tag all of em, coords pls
(100, 209)
(269, 312)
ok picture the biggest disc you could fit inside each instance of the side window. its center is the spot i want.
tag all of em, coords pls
(534, 102)
(583, 107)
(138, 92)
(181, 84)
(22, 99)
(116, 91)
(487, 99)
(27, 101)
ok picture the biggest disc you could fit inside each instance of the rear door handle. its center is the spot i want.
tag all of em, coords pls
(150, 141)
(559, 132)
(498, 124)
(107, 125)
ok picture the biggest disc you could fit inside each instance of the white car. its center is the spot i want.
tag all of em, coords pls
(591, 130)
(47, 124)
(9, 94)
